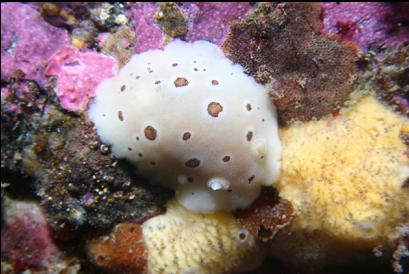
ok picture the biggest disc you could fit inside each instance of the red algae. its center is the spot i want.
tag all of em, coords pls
(26, 241)
(123, 251)
(267, 215)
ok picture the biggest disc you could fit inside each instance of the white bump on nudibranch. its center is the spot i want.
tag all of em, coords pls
(218, 184)
(190, 119)
(182, 179)
(260, 149)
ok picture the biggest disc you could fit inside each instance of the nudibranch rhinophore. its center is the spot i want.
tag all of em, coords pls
(190, 119)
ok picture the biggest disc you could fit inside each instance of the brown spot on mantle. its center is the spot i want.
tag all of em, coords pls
(181, 82)
(186, 136)
(214, 109)
(120, 116)
(249, 135)
(150, 133)
(192, 163)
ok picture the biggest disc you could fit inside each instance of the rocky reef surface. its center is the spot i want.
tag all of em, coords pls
(65, 197)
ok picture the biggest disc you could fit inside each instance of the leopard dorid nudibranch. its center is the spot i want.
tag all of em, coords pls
(190, 119)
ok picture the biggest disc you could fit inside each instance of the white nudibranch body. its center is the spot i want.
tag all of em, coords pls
(190, 119)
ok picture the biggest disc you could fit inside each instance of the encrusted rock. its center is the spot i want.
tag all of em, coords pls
(386, 71)
(27, 244)
(194, 21)
(124, 250)
(369, 25)
(171, 19)
(119, 44)
(309, 75)
(57, 152)
(27, 42)
(267, 215)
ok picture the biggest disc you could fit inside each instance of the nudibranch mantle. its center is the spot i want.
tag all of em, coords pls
(190, 119)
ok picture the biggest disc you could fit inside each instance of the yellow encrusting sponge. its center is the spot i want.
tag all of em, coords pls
(182, 241)
(344, 175)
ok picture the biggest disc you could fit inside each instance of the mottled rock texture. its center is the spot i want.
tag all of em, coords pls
(27, 41)
(309, 75)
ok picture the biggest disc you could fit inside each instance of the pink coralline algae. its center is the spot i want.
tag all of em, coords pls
(27, 41)
(206, 21)
(26, 242)
(211, 21)
(368, 24)
(79, 73)
(148, 33)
